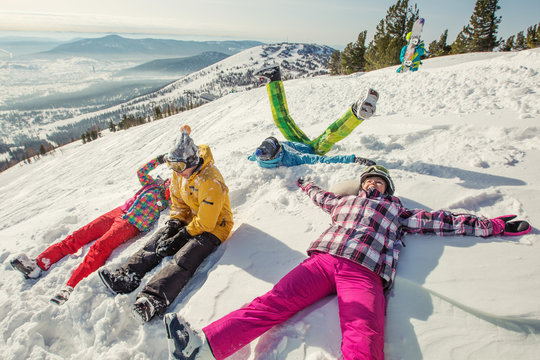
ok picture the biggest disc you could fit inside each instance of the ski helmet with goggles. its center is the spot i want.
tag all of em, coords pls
(380, 171)
(269, 149)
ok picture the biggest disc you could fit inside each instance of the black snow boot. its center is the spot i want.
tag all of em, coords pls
(119, 282)
(146, 307)
(271, 73)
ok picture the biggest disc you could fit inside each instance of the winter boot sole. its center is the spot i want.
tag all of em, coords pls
(107, 283)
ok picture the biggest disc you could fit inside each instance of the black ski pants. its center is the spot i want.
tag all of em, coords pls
(171, 279)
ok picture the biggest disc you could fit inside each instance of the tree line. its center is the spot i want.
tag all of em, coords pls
(34, 149)
(479, 35)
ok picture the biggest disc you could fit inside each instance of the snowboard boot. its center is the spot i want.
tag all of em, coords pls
(119, 282)
(146, 307)
(62, 296)
(271, 73)
(365, 107)
(28, 267)
(184, 343)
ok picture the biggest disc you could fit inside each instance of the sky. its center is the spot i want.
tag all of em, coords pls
(334, 23)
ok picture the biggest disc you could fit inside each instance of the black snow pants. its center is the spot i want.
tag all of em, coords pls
(171, 279)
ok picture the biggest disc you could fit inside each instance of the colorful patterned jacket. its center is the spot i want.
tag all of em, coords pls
(368, 228)
(143, 209)
(295, 153)
(202, 201)
(419, 51)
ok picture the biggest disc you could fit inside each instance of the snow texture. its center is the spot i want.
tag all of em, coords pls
(462, 133)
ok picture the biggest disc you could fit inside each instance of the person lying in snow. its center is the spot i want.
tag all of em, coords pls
(361, 110)
(110, 230)
(273, 153)
(200, 220)
(354, 259)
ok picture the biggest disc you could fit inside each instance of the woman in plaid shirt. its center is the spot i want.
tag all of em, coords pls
(355, 259)
(110, 230)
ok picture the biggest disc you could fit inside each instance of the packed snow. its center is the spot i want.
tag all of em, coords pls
(462, 133)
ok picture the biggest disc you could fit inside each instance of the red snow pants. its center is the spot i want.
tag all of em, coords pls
(109, 229)
(360, 299)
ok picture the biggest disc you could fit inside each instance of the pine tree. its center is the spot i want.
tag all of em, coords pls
(389, 38)
(334, 64)
(352, 57)
(484, 24)
(532, 38)
(112, 126)
(480, 34)
(462, 43)
(508, 44)
(439, 48)
(520, 43)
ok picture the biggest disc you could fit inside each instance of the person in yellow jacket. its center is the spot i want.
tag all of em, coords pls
(200, 220)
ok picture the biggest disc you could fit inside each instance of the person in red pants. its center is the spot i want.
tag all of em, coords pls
(110, 230)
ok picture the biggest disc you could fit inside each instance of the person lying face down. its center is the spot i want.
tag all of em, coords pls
(272, 153)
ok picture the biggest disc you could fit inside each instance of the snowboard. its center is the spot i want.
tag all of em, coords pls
(411, 46)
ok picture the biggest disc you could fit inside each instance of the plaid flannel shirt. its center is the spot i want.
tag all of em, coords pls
(368, 228)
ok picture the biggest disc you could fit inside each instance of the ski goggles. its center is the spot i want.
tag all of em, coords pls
(376, 169)
(177, 166)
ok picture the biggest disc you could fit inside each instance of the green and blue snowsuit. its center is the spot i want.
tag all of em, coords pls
(418, 53)
(337, 131)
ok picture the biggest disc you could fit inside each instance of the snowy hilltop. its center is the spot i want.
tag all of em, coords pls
(59, 99)
(461, 134)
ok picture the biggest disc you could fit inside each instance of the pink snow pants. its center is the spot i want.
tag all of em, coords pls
(360, 299)
(110, 230)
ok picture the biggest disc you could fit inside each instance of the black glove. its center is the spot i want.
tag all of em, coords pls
(503, 226)
(161, 158)
(364, 161)
(173, 226)
(170, 246)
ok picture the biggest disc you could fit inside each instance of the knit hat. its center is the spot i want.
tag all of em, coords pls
(184, 149)
(380, 171)
(268, 149)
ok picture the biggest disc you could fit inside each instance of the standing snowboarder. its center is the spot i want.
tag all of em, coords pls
(361, 110)
(412, 52)
(110, 230)
(354, 259)
(200, 220)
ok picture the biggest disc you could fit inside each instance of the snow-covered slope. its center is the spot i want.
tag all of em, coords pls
(462, 133)
(33, 83)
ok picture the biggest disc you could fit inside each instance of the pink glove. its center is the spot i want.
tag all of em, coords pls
(503, 226)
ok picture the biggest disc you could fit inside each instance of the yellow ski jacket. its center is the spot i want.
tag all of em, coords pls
(202, 200)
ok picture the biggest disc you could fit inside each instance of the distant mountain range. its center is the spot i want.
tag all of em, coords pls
(113, 47)
(176, 66)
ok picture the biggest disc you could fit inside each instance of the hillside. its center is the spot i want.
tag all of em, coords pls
(84, 108)
(176, 66)
(453, 135)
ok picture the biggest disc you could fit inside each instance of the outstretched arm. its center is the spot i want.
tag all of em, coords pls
(444, 223)
(324, 199)
(144, 171)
